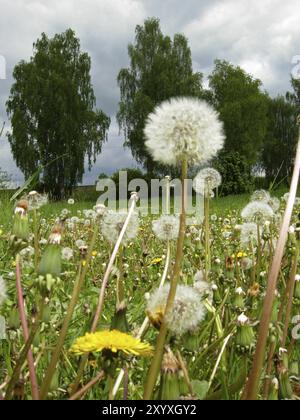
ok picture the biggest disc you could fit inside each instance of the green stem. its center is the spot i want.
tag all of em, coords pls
(158, 355)
(75, 295)
(36, 241)
(207, 236)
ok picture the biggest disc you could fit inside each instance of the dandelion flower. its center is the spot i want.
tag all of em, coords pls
(248, 234)
(184, 128)
(67, 253)
(206, 181)
(2, 290)
(111, 340)
(187, 313)
(166, 227)
(113, 222)
(260, 195)
(71, 201)
(257, 211)
(36, 200)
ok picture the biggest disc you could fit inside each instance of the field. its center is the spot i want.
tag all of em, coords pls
(212, 336)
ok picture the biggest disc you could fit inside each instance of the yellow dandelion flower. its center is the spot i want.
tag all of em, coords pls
(241, 255)
(156, 261)
(94, 253)
(111, 340)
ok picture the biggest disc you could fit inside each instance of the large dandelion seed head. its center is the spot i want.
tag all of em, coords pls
(184, 128)
(112, 224)
(258, 212)
(187, 313)
(261, 195)
(2, 290)
(207, 180)
(166, 228)
(248, 234)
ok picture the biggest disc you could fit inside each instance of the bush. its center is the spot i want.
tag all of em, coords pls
(236, 173)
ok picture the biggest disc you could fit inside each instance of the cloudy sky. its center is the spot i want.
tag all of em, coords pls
(262, 36)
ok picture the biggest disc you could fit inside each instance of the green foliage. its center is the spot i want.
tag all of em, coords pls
(160, 68)
(280, 142)
(236, 173)
(242, 107)
(52, 110)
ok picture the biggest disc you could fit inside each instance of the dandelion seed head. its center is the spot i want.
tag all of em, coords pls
(67, 253)
(206, 181)
(184, 128)
(166, 228)
(248, 233)
(113, 222)
(187, 313)
(261, 195)
(258, 212)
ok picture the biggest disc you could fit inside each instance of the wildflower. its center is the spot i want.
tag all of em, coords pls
(36, 200)
(111, 340)
(206, 181)
(71, 201)
(67, 253)
(2, 290)
(248, 234)
(51, 259)
(80, 243)
(156, 261)
(21, 225)
(113, 222)
(100, 209)
(258, 212)
(187, 312)
(260, 195)
(184, 128)
(166, 227)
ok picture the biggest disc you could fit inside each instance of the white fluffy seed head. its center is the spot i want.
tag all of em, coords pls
(112, 224)
(260, 195)
(67, 253)
(184, 128)
(258, 212)
(206, 181)
(2, 290)
(166, 228)
(188, 310)
(248, 233)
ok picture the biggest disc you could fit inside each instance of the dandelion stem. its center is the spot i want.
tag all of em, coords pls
(158, 355)
(75, 295)
(36, 240)
(103, 288)
(23, 319)
(207, 236)
(252, 386)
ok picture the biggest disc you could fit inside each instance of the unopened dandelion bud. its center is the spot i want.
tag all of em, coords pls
(21, 223)
(119, 321)
(273, 395)
(52, 259)
(285, 387)
(245, 338)
(238, 301)
(14, 319)
(169, 383)
(183, 386)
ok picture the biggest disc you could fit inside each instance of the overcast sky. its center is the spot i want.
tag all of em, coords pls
(262, 36)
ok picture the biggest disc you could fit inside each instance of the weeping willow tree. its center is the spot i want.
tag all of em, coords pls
(53, 113)
(160, 68)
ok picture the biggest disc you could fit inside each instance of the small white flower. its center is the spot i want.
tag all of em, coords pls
(71, 201)
(184, 128)
(240, 291)
(166, 227)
